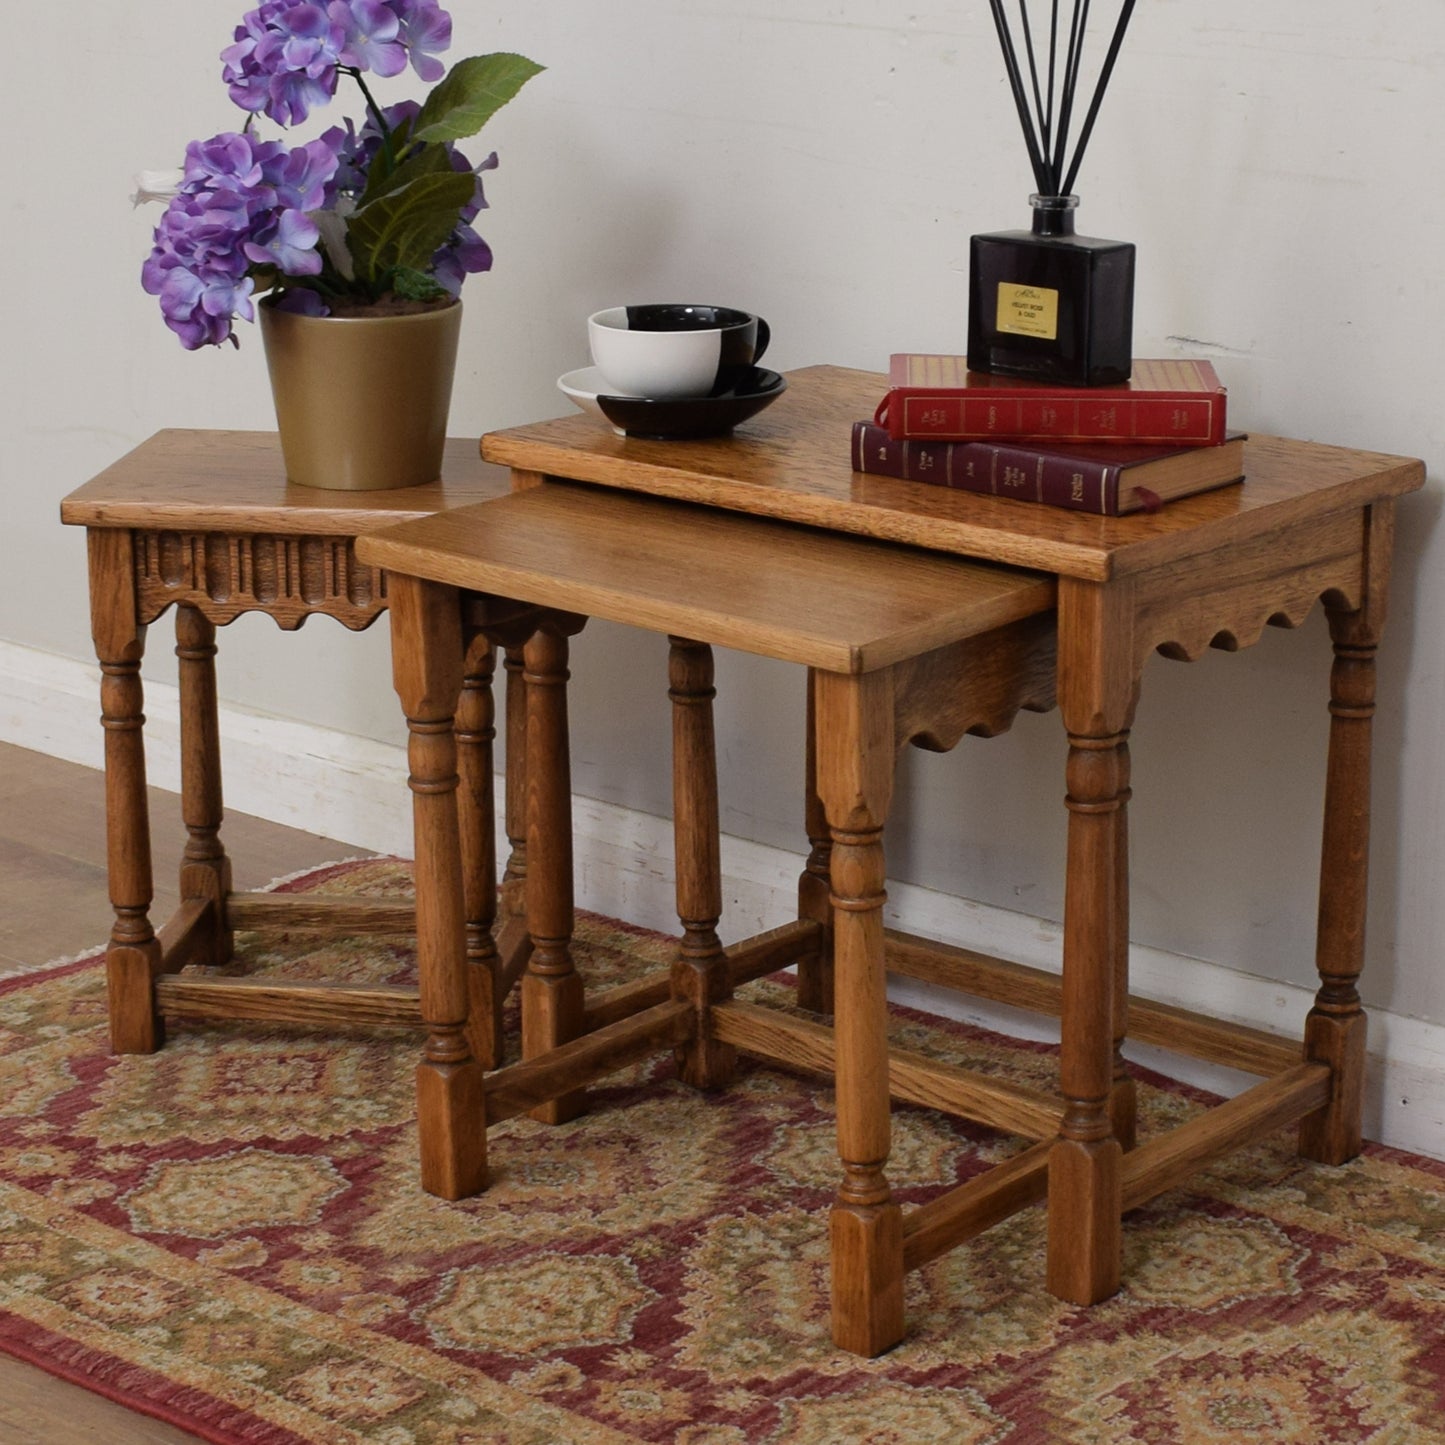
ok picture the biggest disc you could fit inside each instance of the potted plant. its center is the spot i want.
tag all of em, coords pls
(353, 246)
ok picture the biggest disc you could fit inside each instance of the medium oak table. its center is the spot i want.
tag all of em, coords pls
(205, 521)
(901, 644)
(1310, 523)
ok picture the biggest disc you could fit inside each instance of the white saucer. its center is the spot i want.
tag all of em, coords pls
(583, 386)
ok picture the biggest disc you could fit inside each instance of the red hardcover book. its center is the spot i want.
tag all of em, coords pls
(1107, 479)
(936, 397)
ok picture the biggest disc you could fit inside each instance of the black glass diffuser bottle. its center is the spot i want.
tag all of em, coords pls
(1044, 303)
(1049, 305)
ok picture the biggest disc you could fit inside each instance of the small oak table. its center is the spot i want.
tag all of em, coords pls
(205, 521)
(1310, 523)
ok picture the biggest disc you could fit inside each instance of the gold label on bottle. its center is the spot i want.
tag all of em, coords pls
(1028, 311)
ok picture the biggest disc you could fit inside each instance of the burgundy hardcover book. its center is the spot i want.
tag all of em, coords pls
(1108, 479)
(1180, 403)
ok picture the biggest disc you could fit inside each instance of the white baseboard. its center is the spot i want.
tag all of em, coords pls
(354, 789)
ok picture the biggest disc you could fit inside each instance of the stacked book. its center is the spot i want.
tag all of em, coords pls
(1104, 449)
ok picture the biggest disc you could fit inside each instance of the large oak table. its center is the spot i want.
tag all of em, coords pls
(1310, 523)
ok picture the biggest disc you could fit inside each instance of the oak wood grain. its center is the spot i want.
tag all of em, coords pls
(956, 1216)
(1309, 523)
(338, 915)
(427, 669)
(801, 596)
(793, 463)
(748, 959)
(552, 992)
(913, 1078)
(1162, 1163)
(567, 1068)
(235, 481)
(188, 936)
(700, 973)
(1036, 990)
(320, 1004)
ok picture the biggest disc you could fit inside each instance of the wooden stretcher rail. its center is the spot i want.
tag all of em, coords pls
(1162, 1163)
(187, 936)
(317, 1003)
(800, 1043)
(1182, 1031)
(519, 1087)
(749, 959)
(514, 948)
(305, 911)
(949, 1220)
(766, 953)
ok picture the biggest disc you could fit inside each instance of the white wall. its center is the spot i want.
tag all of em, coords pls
(824, 162)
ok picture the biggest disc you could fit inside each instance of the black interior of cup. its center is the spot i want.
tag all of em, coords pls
(683, 318)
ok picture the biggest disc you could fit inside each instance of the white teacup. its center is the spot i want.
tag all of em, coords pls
(668, 351)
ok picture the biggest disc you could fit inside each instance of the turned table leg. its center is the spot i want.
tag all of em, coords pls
(815, 975)
(515, 804)
(1336, 1026)
(205, 868)
(1098, 690)
(552, 993)
(1085, 1201)
(133, 957)
(1124, 1094)
(427, 658)
(476, 732)
(854, 724)
(700, 971)
(512, 941)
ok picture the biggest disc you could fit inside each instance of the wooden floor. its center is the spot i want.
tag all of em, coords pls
(53, 904)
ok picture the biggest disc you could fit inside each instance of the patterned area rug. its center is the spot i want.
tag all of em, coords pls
(228, 1235)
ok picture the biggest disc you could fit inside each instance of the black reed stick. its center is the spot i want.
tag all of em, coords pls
(1046, 123)
(1071, 81)
(1015, 80)
(1043, 134)
(1125, 12)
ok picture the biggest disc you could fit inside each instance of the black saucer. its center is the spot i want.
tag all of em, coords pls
(689, 418)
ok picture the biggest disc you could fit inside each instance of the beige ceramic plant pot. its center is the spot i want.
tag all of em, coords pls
(362, 401)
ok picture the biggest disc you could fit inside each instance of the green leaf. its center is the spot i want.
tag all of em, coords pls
(388, 155)
(416, 285)
(473, 91)
(402, 229)
(428, 160)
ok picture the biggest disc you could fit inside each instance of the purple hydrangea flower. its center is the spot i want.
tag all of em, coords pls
(242, 203)
(464, 254)
(284, 60)
(230, 161)
(303, 176)
(286, 54)
(287, 242)
(370, 29)
(426, 30)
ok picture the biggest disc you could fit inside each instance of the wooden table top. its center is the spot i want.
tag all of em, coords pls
(234, 481)
(793, 462)
(839, 603)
